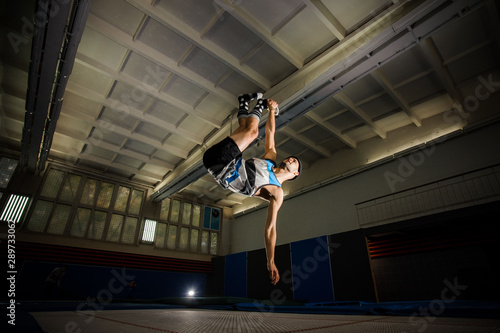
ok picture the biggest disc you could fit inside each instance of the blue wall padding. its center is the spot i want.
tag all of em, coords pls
(311, 272)
(81, 281)
(235, 284)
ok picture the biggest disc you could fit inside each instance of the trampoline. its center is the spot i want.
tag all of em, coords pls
(226, 314)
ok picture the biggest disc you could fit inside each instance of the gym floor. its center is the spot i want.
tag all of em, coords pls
(222, 314)
(205, 321)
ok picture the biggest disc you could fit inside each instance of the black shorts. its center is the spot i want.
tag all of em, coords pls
(220, 155)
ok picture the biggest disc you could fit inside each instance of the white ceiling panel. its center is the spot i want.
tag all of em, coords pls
(119, 13)
(80, 104)
(195, 13)
(139, 147)
(271, 14)
(167, 157)
(128, 161)
(106, 134)
(159, 37)
(311, 37)
(12, 107)
(214, 107)
(270, 63)
(233, 36)
(96, 46)
(130, 96)
(414, 63)
(166, 112)
(151, 131)
(119, 119)
(183, 90)
(87, 77)
(235, 83)
(205, 65)
(180, 142)
(352, 13)
(421, 88)
(147, 72)
(345, 121)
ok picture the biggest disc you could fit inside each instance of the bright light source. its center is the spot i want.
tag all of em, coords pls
(191, 292)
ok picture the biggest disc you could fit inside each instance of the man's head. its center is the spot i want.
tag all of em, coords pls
(293, 165)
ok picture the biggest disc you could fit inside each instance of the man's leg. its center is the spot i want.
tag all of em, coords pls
(248, 129)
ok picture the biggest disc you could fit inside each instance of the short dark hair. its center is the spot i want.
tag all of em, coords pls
(300, 166)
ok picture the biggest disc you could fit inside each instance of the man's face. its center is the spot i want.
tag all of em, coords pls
(291, 164)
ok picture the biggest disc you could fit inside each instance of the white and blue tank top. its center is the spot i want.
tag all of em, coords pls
(248, 176)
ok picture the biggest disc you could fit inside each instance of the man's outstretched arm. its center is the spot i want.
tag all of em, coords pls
(270, 153)
(270, 233)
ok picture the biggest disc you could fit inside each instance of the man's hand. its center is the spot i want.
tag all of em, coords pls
(273, 273)
(273, 106)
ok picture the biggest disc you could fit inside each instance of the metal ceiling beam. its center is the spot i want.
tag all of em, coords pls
(89, 141)
(215, 196)
(345, 101)
(330, 128)
(396, 96)
(142, 86)
(327, 18)
(138, 47)
(113, 128)
(119, 166)
(434, 57)
(48, 37)
(185, 30)
(129, 111)
(187, 177)
(76, 25)
(257, 28)
(306, 141)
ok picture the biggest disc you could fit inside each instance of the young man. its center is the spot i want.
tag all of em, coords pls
(254, 177)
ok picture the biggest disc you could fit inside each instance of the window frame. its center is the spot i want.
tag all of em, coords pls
(94, 208)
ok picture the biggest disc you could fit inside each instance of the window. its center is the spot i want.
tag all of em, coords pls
(172, 237)
(59, 219)
(115, 228)
(40, 216)
(135, 202)
(89, 191)
(186, 213)
(165, 208)
(122, 199)
(14, 208)
(196, 216)
(97, 225)
(79, 206)
(204, 241)
(148, 234)
(161, 235)
(183, 226)
(70, 188)
(174, 214)
(52, 184)
(213, 242)
(105, 193)
(129, 229)
(193, 245)
(80, 223)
